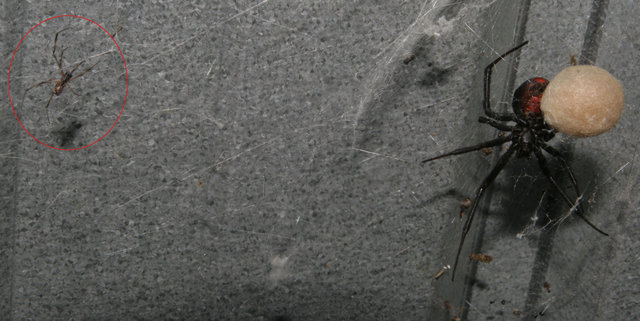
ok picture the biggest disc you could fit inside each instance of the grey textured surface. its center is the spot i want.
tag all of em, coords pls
(267, 164)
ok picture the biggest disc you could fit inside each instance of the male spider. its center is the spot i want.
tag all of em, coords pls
(528, 135)
(65, 77)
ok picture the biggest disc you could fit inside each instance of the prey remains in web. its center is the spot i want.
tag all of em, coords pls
(528, 133)
(65, 77)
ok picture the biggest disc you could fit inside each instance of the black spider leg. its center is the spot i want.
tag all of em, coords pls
(489, 143)
(495, 124)
(542, 161)
(555, 153)
(502, 162)
(487, 90)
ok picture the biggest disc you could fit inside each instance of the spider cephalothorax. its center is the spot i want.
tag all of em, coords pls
(529, 135)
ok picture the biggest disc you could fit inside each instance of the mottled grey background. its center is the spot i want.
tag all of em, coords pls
(267, 163)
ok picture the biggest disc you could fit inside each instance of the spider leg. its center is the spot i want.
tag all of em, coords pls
(86, 71)
(502, 162)
(34, 86)
(47, 108)
(51, 90)
(78, 65)
(72, 90)
(546, 135)
(555, 153)
(118, 29)
(55, 42)
(490, 143)
(495, 124)
(487, 87)
(42, 83)
(59, 63)
(542, 161)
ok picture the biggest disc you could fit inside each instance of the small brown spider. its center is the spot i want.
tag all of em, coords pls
(65, 77)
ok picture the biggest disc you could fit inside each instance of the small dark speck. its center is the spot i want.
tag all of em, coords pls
(503, 302)
(408, 58)
(492, 301)
(281, 318)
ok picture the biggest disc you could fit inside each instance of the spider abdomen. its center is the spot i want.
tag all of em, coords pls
(58, 88)
(526, 99)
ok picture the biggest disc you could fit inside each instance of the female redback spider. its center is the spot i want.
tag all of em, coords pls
(528, 135)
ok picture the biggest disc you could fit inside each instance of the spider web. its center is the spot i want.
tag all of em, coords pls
(532, 236)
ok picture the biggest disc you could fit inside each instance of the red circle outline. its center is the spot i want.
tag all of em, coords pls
(125, 71)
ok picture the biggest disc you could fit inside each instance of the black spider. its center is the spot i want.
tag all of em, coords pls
(528, 135)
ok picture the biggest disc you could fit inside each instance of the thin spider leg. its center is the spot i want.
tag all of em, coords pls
(502, 162)
(542, 161)
(42, 83)
(487, 87)
(55, 42)
(555, 153)
(34, 86)
(59, 63)
(86, 71)
(78, 65)
(72, 90)
(490, 143)
(495, 124)
(47, 108)
(118, 29)
(59, 60)
(51, 90)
